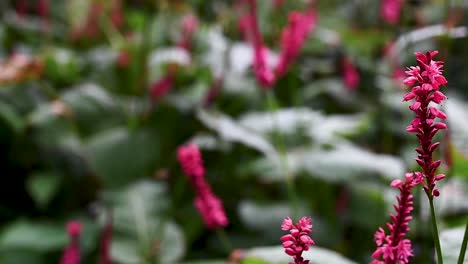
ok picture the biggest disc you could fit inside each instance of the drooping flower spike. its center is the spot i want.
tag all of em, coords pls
(428, 78)
(394, 247)
(208, 204)
(298, 239)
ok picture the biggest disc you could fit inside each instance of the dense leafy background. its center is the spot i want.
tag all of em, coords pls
(85, 140)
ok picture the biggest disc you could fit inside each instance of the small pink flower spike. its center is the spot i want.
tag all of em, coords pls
(394, 248)
(351, 76)
(298, 239)
(161, 87)
(71, 254)
(428, 78)
(208, 204)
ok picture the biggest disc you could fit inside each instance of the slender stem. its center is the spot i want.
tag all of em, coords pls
(223, 238)
(461, 257)
(280, 146)
(435, 232)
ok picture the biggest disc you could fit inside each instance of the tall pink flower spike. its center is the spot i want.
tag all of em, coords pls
(298, 239)
(394, 248)
(292, 39)
(208, 204)
(71, 255)
(428, 78)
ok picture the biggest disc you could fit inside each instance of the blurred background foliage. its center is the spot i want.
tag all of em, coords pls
(86, 135)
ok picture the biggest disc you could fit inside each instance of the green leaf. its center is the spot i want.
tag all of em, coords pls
(41, 237)
(143, 233)
(346, 162)
(11, 118)
(119, 156)
(21, 257)
(42, 187)
(320, 128)
(231, 131)
(276, 255)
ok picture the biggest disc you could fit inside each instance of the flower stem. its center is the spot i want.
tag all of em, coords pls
(461, 257)
(435, 232)
(223, 238)
(280, 146)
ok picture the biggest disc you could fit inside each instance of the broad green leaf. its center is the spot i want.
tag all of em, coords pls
(42, 187)
(450, 242)
(231, 131)
(143, 233)
(41, 237)
(320, 128)
(345, 162)
(276, 255)
(119, 156)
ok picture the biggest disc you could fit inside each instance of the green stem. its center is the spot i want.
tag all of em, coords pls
(435, 232)
(280, 146)
(223, 238)
(461, 257)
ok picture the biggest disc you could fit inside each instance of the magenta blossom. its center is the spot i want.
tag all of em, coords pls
(189, 25)
(208, 204)
(390, 11)
(293, 37)
(394, 248)
(428, 78)
(298, 239)
(71, 255)
(161, 87)
(351, 76)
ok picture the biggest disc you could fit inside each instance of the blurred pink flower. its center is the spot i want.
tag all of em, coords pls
(123, 59)
(394, 248)
(211, 209)
(208, 204)
(351, 76)
(189, 25)
(191, 161)
(390, 11)
(428, 78)
(293, 37)
(298, 239)
(21, 8)
(161, 87)
(71, 255)
(106, 240)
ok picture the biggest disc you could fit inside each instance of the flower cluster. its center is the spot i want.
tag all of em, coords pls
(428, 78)
(207, 203)
(292, 38)
(390, 11)
(71, 255)
(394, 248)
(298, 239)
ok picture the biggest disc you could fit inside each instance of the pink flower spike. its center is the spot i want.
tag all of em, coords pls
(71, 254)
(350, 74)
(393, 248)
(390, 11)
(208, 204)
(298, 239)
(428, 78)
